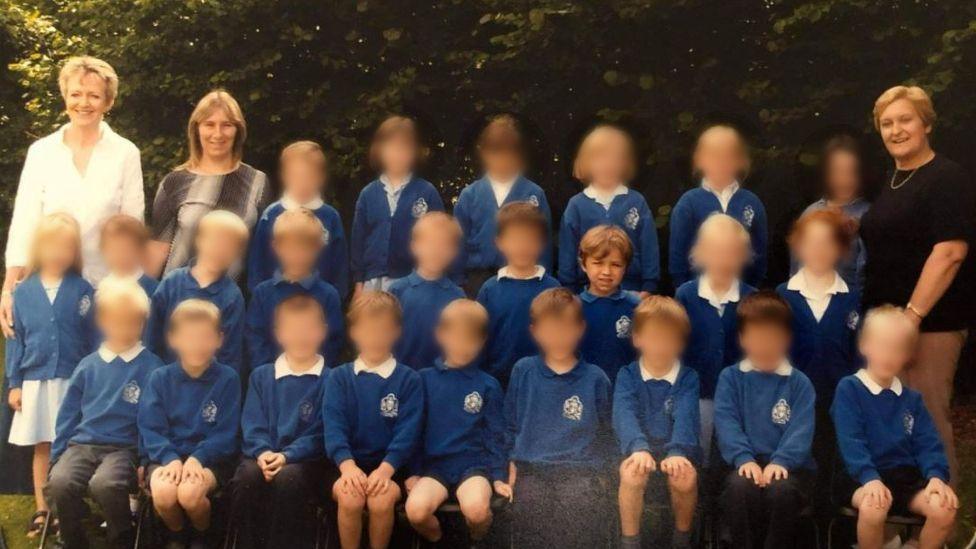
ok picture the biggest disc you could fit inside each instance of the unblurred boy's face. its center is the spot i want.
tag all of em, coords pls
(218, 248)
(605, 273)
(296, 255)
(460, 344)
(195, 342)
(122, 254)
(434, 248)
(558, 336)
(817, 250)
(501, 163)
(58, 252)
(521, 245)
(765, 344)
(398, 155)
(658, 343)
(886, 349)
(374, 335)
(302, 179)
(300, 334)
(120, 324)
(722, 256)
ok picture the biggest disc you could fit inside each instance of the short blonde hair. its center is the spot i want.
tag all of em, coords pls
(306, 150)
(224, 220)
(126, 293)
(438, 220)
(600, 138)
(657, 309)
(599, 241)
(914, 94)
(719, 223)
(51, 225)
(217, 99)
(887, 314)
(555, 302)
(299, 223)
(370, 303)
(729, 131)
(86, 64)
(468, 313)
(195, 310)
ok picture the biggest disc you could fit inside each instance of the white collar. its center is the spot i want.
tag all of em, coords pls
(727, 191)
(282, 368)
(591, 192)
(312, 204)
(540, 273)
(386, 182)
(784, 368)
(798, 282)
(873, 385)
(384, 370)
(500, 183)
(706, 292)
(670, 377)
(127, 355)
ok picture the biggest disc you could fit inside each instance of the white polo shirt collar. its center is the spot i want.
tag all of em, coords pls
(874, 387)
(283, 369)
(540, 273)
(127, 355)
(784, 368)
(671, 377)
(384, 370)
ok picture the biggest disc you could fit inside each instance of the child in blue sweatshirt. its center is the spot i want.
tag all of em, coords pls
(606, 161)
(373, 412)
(764, 421)
(220, 241)
(297, 244)
(559, 435)
(189, 415)
(501, 152)
(522, 233)
(428, 289)
(388, 207)
(303, 176)
(283, 466)
(711, 299)
(54, 328)
(721, 158)
(890, 446)
(608, 309)
(655, 416)
(123, 243)
(462, 453)
(95, 451)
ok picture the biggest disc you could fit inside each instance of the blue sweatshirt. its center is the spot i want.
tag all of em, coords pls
(763, 416)
(102, 400)
(880, 429)
(148, 284)
(261, 345)
(422, 302)
(690, 212)
(182, 417)
(333, 263)
(627, 211)
(51, 337)
(507, 301)
(714, 340)
(559, 419)
(465, 423)
(607, 341)
(282, 412)
(476, 210)
(659, 416)
(178, 286)
(380, 243)
(371, 419)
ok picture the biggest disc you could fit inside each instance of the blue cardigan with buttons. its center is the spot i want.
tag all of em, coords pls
(51, 337)
(607, 342)
(380, 244)
(422, 302)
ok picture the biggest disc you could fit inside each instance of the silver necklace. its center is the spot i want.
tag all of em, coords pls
(902, 184)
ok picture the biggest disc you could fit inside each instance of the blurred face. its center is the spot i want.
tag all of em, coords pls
(123, 255)
(606, 273)
(460, 345)
(817, 250)
(658, 343)
(558, 336)
(719, 157)
(300, 334)
(398, 156)
(86, 99)
(195, 342)
(501, 164)
(722, 255)
(434, 249)
(121, 325)
(297, 256)
(218, 248)
(608, 163)
(521, 245)
(217, 133)
(374, 335)
(903, 132)
(843, 174)
(303, 179)
(887, 349)
(765, 345)
(57, 253)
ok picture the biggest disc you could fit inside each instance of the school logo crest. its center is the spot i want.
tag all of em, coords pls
(748, 214)
(389, 406)
(632, 218)
(573, 408)
(306, 411)
(131, 392)
(852, 319)
(419, 207)
(209, 412)
(908, 421)
(84, 305)
(781, 412)
(623, 327)
(669, 406)
(326, 236)
(473, 402)
(534, 200)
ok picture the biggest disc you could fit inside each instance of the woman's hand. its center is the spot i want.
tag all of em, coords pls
(7, 314)
(14, 399)
(942, 493)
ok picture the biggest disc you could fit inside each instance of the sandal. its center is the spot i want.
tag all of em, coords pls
(35, 526)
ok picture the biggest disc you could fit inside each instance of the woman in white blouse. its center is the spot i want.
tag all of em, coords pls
(84, 168)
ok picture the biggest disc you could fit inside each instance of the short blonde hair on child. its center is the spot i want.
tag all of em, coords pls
(468, 313)
(299, 304)
(599, 139)
(304, 150)
(224, 220)
(661, 310)
(113, 293)
(723, 131)
(299, 223)
(86, 64)
(51, 225)
(124, 226)
(886, 315)
(437, 221)
(599, 241)
(914, 94)
(719, 224)
(555, 302)
(370, 303)
(195, 310)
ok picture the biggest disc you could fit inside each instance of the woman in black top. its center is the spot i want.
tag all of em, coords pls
(917, 236)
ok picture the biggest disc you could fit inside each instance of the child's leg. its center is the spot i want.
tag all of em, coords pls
(40, 465)
(248, 499)
(474, 497)
(706, 411)
(110, 486)
(66, 489)
(427, 495)
(193, 498)
(871, 517)
(381, 508)
(350, 515)
(290, 514)
(684, 499)
(785, 498)
(631, 500)
(939, 520)
(165, 501)
(741, 503)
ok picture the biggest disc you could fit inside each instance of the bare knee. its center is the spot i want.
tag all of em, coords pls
(941, 517)
(351, 502)
(163, 495)
(418, 509)
(476, 512)
(685, 484)
(633, 480)
(383, 503)
(192, 497)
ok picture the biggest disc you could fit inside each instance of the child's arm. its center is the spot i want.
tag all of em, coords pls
(759, 234)
(733, 443)
(406, 431)
(687, 419)
(260, 348)
(649, 252)
(154, 424)
(221, 442)
(794, 446)
(852, 440)
(927, 445)
(309, 445)
(14, 354)
(682, 236)
(546, 259)
(69, 415)
(357, 244)
(495, 436)
(626, 418)
(512, 412)
(334, 420)
(255, 430)
(337, 329)
(569, 249)
(260, 261)
(232, 322)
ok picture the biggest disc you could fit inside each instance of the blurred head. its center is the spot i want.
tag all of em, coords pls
(303, 170)
(661, 329)
(557, 323)
(123, 244)
(434, 241)
(606, 158)
(904, 116)
(887, 341)
(501, 148)
(765, 329)
(300, 325)
(397, 148)
(722, 249)
(521, 233)
(604, 253)
(461, 331)
(56, 245)
(194, 332)
(721, 155)
(216, 129)
(221, 239)
(375, 321)
(89, 87)
(297, 240)
(840, 168)
(821, 239)
(121, 308)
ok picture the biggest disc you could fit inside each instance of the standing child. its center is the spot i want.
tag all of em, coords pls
(123, 245)
(388, 207)
(462, 454)
(559, 434)
(890, 446)
(606, 162)
(721, 159)
(189, 416)
(655, 416)
(428, 289)
(764, 421)
(373, 411)
(96, 448)
(303, 176)
(604, 253)
(501, 150)
(54, 327)
(522, 233)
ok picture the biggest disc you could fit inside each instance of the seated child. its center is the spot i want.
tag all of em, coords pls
(95, 451)
(559, 434)
(721, 160)
(373, 412)
(889, 444)
(462, 454)
(297, 244)
(606, 162)
(189, 415)
(764, 421)
(604, 254)
(655, 416)
(54, 330)
(428, 289)
(303, 175)
(387, 208)
(720, 254)
(220, 240)
(283, 466)
(123, 245)
(502, 155)
(522, 233)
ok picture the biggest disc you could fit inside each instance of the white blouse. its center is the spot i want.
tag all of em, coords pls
(50, 183)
